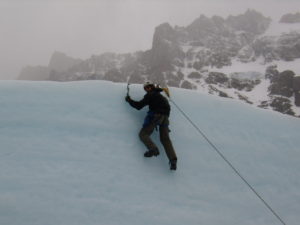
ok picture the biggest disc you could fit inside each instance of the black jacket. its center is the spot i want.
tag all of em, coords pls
(156, 102)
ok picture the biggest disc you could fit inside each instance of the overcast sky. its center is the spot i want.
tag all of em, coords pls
(31, 30)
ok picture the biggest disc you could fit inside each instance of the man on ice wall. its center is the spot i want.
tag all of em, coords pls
(157, 116)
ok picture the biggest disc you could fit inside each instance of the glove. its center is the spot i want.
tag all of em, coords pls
(127, 98)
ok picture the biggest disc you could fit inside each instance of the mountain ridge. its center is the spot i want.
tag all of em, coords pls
(196, 57)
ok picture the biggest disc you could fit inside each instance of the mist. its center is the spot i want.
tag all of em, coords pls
(32, 30)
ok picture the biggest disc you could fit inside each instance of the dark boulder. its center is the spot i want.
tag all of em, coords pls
(243, 84)
(187, 85)
(282, 105)
(216, 78)
(194, 75)
(282, 84)
(296, 88)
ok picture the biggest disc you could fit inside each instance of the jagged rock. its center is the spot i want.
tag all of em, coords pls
(186, 85)
(216, 78)
(296, 88)
(203, 27)
(245, 80)
(296, 83)
(282, 105)
(290, 18)
(243, 84)
(243, 98)
(267, 48)
(164, 48)
(272, 73)
(198, 65)
(194, 75)
(297, 98)
(282, 84)
(252, 22)
(289, 46)
(264, 104)
(286, 47)
(246, 54)
(61, 62)
(213, 89)
(220, 59)
(223, 94)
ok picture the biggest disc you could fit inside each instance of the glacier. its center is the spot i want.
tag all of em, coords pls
(70, 154)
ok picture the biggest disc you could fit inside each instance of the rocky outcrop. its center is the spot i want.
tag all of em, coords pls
(265, 47)
(286, 47)
(244, 84)
(194, 75)
(216, 78)
(296, 88)
(282, 84)
(187, 85)
(60, 62)
(235, 82)
(165, 51)
(250, 22)
(243, 98)
(289, 46)
(213, 90)
(282, 105)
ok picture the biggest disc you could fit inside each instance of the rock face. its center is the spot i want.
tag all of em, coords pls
(251, 22)
(60, 62)
(282, 105)
(283, 87)
(282, 84)
(216, 78)
(165, 49)
(193, 57)
(296, 88)
(286, 47)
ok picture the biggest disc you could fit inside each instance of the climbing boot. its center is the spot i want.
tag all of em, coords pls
(151, 153)
(173, 164)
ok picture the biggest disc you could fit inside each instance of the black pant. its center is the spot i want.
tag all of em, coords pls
(163, 122)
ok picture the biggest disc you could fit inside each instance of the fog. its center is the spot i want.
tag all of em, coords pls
(32, 30)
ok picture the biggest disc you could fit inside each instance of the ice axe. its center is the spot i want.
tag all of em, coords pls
(128, 89)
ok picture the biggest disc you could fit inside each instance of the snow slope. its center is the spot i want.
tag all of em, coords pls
(70, 155)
